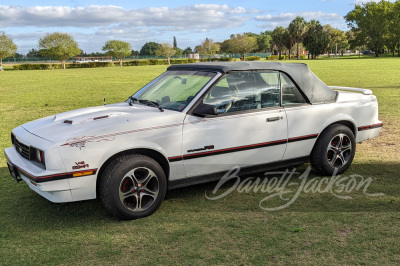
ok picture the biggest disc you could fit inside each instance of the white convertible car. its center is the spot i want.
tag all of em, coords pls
(191, 125)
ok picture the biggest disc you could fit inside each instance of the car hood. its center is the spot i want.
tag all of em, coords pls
(100, 120)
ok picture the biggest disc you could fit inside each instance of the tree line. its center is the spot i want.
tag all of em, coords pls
(373, 26)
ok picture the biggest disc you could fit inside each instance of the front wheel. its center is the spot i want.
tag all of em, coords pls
(133, 186)
(334, 150)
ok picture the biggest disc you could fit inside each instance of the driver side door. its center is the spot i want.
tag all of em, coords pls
(249, 130)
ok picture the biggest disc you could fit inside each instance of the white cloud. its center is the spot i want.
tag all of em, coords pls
(29, 36)
(270, 22)
(199, 16)
(92, 25)
(287, 17)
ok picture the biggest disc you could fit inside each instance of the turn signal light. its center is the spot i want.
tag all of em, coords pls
(83, 173)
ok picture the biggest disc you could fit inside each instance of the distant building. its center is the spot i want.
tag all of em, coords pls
(93, 59)
(194, 56)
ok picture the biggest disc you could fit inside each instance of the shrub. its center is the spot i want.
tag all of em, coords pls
(285, 57)
(253, 58)
(89, 65)
(301, 56)
(173, 61)
(158, 62)
(110, 64)
(59, 66)
(135, 63)
(276, 57)
(33, 66)
(184, 61)
(226, 59)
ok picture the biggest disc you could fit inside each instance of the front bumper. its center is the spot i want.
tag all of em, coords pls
(13, 172)
(22, 169)
(52, 185)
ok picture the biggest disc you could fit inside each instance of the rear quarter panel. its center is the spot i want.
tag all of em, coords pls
(360, 110)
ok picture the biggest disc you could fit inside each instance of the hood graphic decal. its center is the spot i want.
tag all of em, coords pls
(80, 142)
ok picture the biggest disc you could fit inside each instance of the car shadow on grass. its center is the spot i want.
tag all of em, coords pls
(362, 188)
(21, 206)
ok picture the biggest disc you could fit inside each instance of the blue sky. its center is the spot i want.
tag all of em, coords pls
(93, 22)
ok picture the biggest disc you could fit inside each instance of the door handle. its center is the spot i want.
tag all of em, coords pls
(272, 119)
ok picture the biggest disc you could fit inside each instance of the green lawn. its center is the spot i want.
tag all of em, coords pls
(188, 228)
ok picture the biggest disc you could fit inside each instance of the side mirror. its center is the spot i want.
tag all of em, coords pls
(204, 110)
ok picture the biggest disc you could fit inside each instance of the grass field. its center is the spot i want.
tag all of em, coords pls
(188, 228)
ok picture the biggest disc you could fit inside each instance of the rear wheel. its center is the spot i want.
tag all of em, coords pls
(334, 150)
(133, 186)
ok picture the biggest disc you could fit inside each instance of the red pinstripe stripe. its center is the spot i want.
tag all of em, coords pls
(301, 137)
(235, 148)
(241, 147)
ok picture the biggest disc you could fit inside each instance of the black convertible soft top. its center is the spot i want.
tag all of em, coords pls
(315, 90)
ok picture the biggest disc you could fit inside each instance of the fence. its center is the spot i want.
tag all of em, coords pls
(185, 56)
(22, 60)
(13, 60)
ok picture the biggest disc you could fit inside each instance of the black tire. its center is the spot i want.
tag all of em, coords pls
(133, 186)
(329, 154)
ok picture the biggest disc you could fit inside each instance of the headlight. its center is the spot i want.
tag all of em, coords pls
(39, 155)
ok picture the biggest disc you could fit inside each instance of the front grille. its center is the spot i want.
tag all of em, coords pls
(22, 149)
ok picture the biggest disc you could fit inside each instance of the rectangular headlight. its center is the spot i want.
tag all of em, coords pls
(37, 155)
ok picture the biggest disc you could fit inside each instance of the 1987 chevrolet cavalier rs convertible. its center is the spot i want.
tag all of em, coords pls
(191, 125)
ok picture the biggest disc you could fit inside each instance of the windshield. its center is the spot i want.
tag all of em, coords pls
(174, 90)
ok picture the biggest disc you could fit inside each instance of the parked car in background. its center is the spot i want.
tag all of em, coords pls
(191, 125)
(368, 52)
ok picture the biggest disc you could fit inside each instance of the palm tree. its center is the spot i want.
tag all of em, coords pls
(288, 41)
(278, 38)
(297, 29)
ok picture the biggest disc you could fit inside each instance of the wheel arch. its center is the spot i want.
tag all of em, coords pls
(346, 123)
(157, 156)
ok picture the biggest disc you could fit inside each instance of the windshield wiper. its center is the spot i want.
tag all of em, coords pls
(133, 99)
(154, 104)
